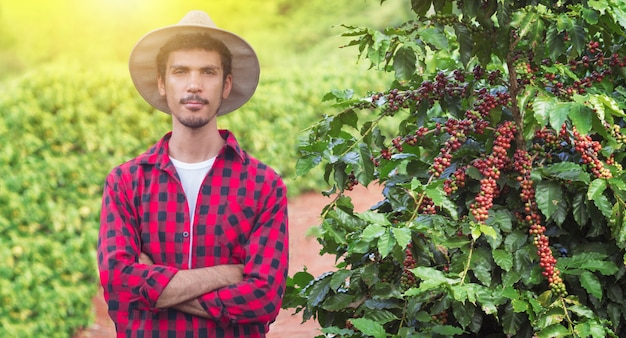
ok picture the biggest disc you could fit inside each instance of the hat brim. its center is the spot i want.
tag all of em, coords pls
(143, 67)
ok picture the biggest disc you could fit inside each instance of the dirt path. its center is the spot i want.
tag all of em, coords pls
(304, 212)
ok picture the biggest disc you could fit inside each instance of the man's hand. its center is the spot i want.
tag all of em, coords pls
(145, 259)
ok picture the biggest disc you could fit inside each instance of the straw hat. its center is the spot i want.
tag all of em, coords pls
(143, 67)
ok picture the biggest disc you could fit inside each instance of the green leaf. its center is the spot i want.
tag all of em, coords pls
(464, 312)
(381, 316)
(430, 277)
(618, 224)
(554, 43)
(364, 173)
(503, 258)
(567, 171)
(515, 240)
(318, 292)
(377, 51)
(578, 37)
(579, 209)
(581, 311)
(488, 230)
(512, 321)
(559, 114)
(502, 219)
(596, 188)
(466, 44)
(338, 95)
(548, 195)
(368, 274)
(373, 218)
(385, 243)
(369, 327)
(525, 20)
(349, 117)
(542, 105)
(420, 7)
(301, 278)
(591, 261)
(339, 278)
(482, 265)
(440, 199)
(591, 283)
(604, 205)
(373, 232)
(335, 331)
(337, 302)
(433, 36)
(447, 330)
(579, 114)
(305, 164)
(402, 236)
(603, 104)
(554, 331)
(404, 63)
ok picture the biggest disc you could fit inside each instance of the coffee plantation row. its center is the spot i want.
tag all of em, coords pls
(62, 129)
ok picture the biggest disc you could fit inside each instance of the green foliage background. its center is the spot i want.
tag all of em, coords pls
(70, 113)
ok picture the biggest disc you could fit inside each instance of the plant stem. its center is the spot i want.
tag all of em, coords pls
(467, 265)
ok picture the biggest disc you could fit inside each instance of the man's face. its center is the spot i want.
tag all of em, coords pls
(194, 86)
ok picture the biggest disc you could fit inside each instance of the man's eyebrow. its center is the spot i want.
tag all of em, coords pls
(179, 67)
(209, 67)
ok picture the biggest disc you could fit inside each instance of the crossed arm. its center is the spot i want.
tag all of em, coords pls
(187, 285)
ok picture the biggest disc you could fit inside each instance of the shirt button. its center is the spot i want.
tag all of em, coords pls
(185, 234)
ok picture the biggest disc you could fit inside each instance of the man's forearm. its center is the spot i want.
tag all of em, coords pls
(192, 307)
(187, 285)
(190, 284)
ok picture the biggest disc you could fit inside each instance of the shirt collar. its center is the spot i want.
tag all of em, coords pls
(159, 153)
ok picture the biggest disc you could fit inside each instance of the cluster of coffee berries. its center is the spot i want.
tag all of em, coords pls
(490, 167)
(548, 263)
(427, 206)
(485, 102)
(617, 134)
(440, 318)
(457, 131)
(408, 279)
(588, 150)
(388, 270)
(559, 88)
(351, 181)
(455, 181)
(592, 46)
(531, 218)
(444, 19)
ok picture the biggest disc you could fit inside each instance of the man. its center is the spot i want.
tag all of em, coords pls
(193, 239)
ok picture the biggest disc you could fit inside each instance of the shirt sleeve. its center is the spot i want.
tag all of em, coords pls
(258, 298)
(127, 284)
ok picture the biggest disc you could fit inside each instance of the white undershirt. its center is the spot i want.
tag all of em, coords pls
(191, 177)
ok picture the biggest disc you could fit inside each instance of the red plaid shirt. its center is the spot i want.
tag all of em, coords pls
(240, 218)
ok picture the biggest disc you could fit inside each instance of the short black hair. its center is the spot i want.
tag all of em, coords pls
(191, 41)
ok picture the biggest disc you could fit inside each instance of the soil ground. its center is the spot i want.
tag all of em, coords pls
(304, 212)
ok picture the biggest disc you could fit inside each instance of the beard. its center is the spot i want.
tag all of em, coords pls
(195, 122)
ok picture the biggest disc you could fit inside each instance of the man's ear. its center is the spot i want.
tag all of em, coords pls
(228, 85)
(161, 85)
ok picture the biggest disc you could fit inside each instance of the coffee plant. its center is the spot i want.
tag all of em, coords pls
(502, 211)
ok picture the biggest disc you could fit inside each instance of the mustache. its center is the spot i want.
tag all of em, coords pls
(194, 98)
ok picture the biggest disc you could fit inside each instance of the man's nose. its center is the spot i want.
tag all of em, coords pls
(194, 83)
